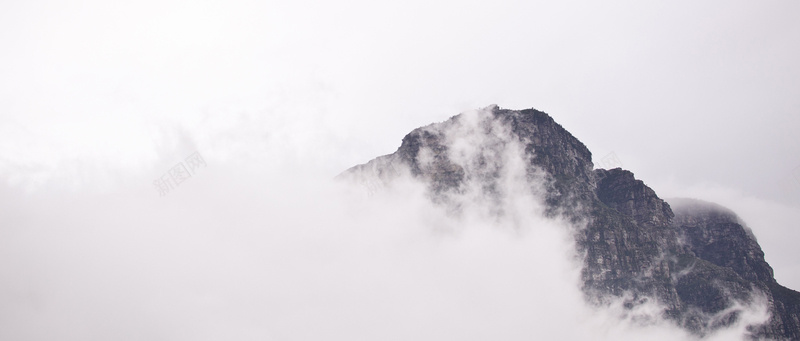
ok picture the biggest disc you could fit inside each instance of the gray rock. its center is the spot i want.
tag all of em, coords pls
(696, 259)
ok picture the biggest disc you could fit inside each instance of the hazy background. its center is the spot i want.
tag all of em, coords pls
(698, 99)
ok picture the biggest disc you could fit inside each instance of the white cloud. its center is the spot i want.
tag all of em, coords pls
(99, 99)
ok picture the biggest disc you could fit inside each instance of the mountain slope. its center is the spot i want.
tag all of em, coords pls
(698, 263)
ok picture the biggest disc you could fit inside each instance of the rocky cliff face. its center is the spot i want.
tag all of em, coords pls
(716, 235)
(696, 260)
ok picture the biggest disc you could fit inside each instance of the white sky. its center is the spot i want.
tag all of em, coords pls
(698, 99)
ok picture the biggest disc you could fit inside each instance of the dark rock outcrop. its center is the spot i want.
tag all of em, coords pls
(716, 235)
(696, 260)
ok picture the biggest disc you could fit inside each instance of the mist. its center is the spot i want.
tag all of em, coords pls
(98, 100)
(245, 250)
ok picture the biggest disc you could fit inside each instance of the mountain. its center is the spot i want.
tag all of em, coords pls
(696, 260)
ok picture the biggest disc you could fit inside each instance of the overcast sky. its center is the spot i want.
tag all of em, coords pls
(698, 99)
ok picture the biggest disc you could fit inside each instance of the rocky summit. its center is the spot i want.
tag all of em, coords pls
(696, 260)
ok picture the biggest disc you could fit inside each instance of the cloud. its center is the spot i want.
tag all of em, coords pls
(249, 251)
(100, 99)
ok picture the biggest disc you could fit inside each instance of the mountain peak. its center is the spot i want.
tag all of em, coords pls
(697, 259)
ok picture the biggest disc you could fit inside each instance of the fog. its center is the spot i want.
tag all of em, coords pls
(236, 253)
(100, 99)
(244, 250)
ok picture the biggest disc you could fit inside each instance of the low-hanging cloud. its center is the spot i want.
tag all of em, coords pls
(270, 253)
